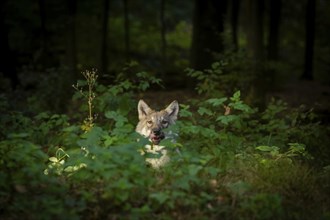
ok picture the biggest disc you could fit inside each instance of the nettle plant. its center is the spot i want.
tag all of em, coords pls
(232, 70)
(218, 121)
(227, 126)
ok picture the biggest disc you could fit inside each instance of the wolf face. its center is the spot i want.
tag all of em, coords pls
(152, 122)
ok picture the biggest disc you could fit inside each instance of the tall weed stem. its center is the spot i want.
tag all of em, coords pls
(91, 77)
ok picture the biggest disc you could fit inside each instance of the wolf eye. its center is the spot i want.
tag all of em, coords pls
(164, 122)
(149, 122)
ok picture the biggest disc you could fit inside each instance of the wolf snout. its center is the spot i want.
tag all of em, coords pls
(156, 136)
(156, 131)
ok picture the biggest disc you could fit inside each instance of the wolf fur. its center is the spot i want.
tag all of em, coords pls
(151, 125)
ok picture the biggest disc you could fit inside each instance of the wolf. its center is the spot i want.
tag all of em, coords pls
(151, 125)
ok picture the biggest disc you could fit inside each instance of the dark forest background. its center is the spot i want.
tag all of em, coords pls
(267, 44)
(252, 81)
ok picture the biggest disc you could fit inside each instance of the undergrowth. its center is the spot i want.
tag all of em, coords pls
(236, 162)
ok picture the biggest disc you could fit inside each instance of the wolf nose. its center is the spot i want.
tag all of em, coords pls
(156, 131)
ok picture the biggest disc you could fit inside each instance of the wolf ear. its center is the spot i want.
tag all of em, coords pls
(143, 109)
(173, 110)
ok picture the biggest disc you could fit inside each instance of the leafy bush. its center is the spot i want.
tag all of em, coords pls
(233, 70)
(235, 162)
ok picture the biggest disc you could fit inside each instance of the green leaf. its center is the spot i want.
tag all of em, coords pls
(215, 65)
(123, 184)
(236, 97)
(204, 111)
(239, 105)
(184, 111)
(109, 140)
(42, 115)
(53, 159)
(226, 119)
(72, 128)
(216, 102)
(18, 135)
(266, 148)
(117, 117)
(160, 197)
(91, 138)
(194, 169)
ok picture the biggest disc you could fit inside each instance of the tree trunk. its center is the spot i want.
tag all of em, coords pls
(7, 60)
(255, 9)
(104, 40)
(273, 36)
(127, 31)
(43, 33)
(163, 36)
(235, 4)
(208, 27)
(309, 41)
(255, 29)
(274, 24)
(72, 49)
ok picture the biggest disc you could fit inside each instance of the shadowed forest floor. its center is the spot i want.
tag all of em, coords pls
(312, 94)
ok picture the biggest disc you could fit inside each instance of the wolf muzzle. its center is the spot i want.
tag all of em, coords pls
(156, 135)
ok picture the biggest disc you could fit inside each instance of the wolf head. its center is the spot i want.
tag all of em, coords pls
(152, 122)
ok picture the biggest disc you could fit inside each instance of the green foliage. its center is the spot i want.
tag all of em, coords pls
(233, 70)
(209, 78)
(25, 190)
(235, 162)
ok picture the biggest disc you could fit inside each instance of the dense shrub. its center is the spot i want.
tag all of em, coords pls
(235, 162)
